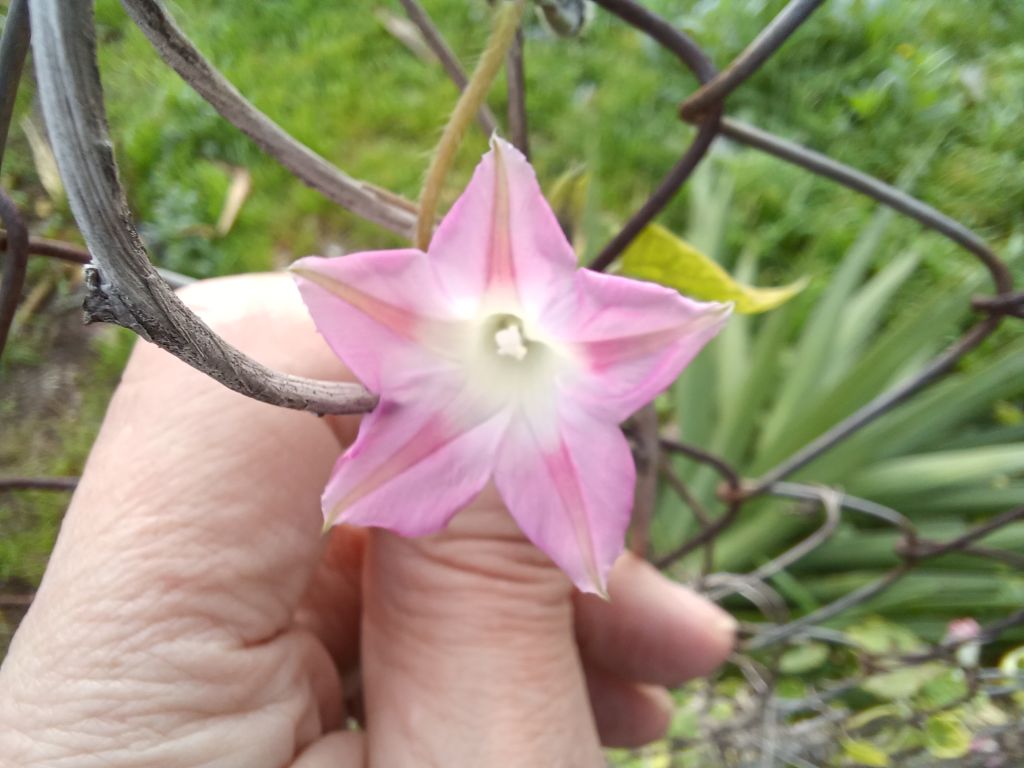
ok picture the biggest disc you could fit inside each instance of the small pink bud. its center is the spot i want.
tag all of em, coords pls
(965, 631)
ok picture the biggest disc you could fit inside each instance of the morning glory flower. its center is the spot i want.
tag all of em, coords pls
(497, 360)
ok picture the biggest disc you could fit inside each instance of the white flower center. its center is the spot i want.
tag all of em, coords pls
(510, 341)
(509, 361)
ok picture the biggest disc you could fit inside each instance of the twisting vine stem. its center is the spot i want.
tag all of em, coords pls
(506, 24)
(123, 286)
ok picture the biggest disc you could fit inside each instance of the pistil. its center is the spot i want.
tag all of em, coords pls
(510, 341)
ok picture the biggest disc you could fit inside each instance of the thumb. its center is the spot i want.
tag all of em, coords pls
(468, 650)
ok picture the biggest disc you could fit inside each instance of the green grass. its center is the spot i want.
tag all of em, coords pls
(866, 82)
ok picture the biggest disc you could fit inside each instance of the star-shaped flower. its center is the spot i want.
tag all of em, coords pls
(497, 359)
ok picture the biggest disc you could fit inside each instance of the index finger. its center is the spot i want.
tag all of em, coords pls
(197, 501)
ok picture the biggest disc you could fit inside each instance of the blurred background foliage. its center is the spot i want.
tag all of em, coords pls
(928, 95)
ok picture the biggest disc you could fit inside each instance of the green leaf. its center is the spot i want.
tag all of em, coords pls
(946, 737)
(902, 683)
(911, 475)
(866, 310)
(893, 712)
(658, 255)
(1012, 663)
(816, 348)
(803, 658)
(928, 417)
(944, 691)
(925, 327)
(878, 636)
(865, 753)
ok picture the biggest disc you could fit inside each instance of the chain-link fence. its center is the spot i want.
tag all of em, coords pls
(763, 722)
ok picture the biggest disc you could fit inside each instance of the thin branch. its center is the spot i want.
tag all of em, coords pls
(702, 538)
(877, 407)
(875, 189)
(733, 493)
(518, 127)
(720, 465)
(39, 246)
(57, 249)
(831, 505)
(846, 501)
(767, 42)
(683, 491)
(927, 550)
(363, 199)
(125, 288)
(986, 634)
(449, 61)
(761, 595)
(15, 265)
(38, 483)
(703, 518)
(16, 601)
(690, 54)
(1006, 303)
(856, 597)
(648, 459)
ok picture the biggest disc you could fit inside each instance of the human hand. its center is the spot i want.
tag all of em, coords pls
(193, 614)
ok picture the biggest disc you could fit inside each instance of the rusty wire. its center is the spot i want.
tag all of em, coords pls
(705, 107)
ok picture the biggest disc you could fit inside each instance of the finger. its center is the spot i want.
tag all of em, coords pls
(340, 749)
(627, 714)
(326, 686)
(652, 629)
(201, 499)
(468, 651)
(332, 605)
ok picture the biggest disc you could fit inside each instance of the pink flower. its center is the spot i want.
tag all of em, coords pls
(496, 359)
(964, 633)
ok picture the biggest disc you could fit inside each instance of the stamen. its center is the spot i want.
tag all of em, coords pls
(510, 342)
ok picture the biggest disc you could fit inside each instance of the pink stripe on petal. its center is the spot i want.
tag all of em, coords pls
(401, 321)
(431, 437)
(634, 337)
(606, 353)
(411, 469)
(501, 272)
(502, 234)
(383, 313)
(571, 491)
(567, 484)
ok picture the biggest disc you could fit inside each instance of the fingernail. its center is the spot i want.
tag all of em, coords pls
(726, 625)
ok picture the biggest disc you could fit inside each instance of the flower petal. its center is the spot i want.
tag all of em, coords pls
(569, 485)
(411, 469)
(633, 339)
(383, 313)
(501, 236)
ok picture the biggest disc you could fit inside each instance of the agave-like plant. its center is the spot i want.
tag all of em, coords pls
(770, 384)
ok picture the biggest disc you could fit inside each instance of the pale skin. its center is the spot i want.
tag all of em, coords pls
(193, 614)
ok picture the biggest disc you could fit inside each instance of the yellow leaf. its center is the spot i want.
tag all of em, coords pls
(946, 737)
(865, 753)
(659, 256)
